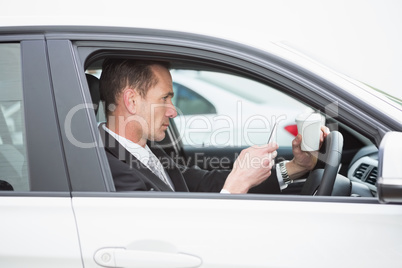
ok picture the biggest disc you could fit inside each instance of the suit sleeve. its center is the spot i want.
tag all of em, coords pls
(199, 180)
(269, 186)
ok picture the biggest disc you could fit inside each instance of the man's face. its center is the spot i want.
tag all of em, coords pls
(156, 107)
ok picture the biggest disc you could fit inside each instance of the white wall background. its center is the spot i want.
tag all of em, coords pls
(360, 38)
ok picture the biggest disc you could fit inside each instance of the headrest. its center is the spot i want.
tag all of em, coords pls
(93, 84)
(5, 186)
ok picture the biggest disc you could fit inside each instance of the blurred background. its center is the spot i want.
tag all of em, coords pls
(359, 38)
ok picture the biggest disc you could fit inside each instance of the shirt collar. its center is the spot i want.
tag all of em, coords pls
(133, 148)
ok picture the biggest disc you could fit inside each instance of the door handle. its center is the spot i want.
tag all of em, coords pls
(121, 257)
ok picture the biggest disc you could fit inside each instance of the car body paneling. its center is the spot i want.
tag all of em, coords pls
(38, 232)
(45, 152)
(38, 226)
(222, 230)
(278, 54)
(204, 228)
(275, 58)
(324, 91)
(77, 120)
(239, 232)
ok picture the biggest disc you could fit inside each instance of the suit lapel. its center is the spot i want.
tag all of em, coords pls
(138, 166)
(117, 150)
(170, 167)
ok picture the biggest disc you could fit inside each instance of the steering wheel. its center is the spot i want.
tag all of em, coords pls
(330, 153)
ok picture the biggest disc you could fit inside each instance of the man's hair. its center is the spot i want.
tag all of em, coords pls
(118, 74)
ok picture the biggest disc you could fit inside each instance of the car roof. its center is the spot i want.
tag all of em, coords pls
(276, 52)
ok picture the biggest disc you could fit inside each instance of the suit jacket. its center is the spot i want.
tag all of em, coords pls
(129, 174)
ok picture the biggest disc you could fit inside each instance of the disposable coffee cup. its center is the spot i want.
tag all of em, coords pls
(309, 126)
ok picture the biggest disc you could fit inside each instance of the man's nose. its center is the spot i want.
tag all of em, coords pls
(171, 111)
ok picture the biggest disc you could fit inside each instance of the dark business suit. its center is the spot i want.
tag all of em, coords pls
(129, 174)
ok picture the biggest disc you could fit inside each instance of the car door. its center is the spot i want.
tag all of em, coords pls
(160, 230)
(156, 229)
(37, 226)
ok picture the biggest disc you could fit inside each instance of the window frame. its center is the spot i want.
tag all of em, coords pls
(44, 154)
(262, 70)
(78, 129)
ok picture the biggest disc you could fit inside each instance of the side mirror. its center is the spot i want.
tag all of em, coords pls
(389, 183)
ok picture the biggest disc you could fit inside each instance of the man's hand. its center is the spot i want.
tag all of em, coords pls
(303, 161)
(252, 167)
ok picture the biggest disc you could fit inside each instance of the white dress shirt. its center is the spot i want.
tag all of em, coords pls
(139, 152)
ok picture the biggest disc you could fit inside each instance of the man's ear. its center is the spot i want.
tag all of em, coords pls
(129, 97)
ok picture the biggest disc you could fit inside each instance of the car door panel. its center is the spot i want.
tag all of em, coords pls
(70, 215)
(232, 230)
(38, 232)
(37, 226)
(41, 122)
(238, 232)
(77, 120)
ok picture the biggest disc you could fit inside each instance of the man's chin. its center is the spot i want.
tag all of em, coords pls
(159, 137)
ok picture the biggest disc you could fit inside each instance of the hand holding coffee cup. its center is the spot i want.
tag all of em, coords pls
(309, 126)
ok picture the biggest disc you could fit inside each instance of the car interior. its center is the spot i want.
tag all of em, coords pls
(347, 164)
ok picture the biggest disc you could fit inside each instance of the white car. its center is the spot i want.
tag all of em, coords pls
(59, 206)
(218, 109)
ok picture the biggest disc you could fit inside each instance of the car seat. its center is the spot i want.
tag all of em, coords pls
(93, 84)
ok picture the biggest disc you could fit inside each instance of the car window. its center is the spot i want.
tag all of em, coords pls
(13, 168)
(189, 102)
(243, 114)
(219, 109)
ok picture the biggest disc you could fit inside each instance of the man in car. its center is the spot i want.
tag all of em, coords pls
(138, 100)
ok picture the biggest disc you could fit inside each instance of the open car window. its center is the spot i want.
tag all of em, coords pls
(221, 113)
(231, 111)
